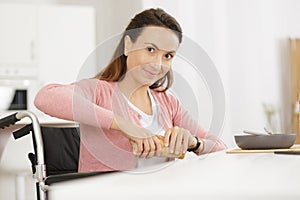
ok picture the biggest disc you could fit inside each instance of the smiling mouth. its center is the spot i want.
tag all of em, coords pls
(149, 73)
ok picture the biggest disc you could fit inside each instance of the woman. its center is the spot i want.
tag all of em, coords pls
(127, 118)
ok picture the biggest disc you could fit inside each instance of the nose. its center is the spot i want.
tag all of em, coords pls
(157, 62)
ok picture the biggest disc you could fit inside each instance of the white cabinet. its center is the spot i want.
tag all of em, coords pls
(17, 38)
(17, 33)
(66, 38)
(45, 42)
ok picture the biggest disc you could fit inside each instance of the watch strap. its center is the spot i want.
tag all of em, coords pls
(197, 145)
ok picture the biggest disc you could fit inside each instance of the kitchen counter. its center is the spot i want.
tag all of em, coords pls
(216, 176)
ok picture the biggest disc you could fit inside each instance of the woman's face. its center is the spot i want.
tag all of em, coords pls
(149, 58)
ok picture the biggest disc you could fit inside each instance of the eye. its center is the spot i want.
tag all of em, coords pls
(150, 49)
(169, 56)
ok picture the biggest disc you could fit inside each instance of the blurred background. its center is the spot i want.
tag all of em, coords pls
(253, 44)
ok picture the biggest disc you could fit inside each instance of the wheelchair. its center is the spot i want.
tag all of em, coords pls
(56, 151)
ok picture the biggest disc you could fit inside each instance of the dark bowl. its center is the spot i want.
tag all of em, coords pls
(275, 141)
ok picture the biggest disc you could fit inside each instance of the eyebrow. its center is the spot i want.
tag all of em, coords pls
(173, 51)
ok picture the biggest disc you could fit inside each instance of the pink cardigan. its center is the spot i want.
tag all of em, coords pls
(93, 102)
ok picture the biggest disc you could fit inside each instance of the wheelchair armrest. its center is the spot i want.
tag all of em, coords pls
(9, 120)
(72, 176)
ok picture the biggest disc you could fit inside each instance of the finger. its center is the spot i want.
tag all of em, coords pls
(146, 149)
(152, 148)
(173, 139)
(167, 137)
(178, 143)
(158, 145)
(191, 138)
(185, 144)
(140, 147)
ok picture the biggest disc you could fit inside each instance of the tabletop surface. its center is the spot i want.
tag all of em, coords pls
(214, 176)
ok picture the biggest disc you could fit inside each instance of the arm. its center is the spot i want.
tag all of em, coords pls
(209, 142)
(74, 102)
(79, 102)
(146, 144)
(189, 128)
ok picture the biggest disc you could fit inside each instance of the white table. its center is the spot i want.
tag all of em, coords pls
(215, 176)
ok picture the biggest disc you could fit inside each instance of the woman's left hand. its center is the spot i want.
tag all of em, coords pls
(179, 140)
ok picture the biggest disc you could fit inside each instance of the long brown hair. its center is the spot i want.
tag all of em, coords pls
(152, 17)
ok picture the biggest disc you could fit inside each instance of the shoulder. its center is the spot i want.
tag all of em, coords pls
(94, 81)
(165, 98)
(94, 88)
(95, 84)
(168, 102)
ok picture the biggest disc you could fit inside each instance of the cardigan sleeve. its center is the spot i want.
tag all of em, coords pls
(183, 119)
(76, 102)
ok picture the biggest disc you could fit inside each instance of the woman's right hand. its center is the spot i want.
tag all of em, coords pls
(147, 143)
(147, 147)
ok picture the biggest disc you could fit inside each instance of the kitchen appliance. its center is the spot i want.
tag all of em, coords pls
(21, 94)
(19, 102)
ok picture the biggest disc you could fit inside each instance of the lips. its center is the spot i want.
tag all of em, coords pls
(150, 73)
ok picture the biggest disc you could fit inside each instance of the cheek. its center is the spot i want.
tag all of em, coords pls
(135, 60)
(166, 67)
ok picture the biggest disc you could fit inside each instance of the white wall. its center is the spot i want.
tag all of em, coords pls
(258, 60)
(111, 15)
(247, 40)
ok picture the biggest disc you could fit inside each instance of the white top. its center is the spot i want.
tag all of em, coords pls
(151, 123)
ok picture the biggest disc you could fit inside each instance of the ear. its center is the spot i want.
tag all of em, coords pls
(127, 45)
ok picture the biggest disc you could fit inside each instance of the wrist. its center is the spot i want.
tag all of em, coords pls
(201, 148)
(195, 145)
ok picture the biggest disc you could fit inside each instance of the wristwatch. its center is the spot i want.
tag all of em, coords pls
(197, 145)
